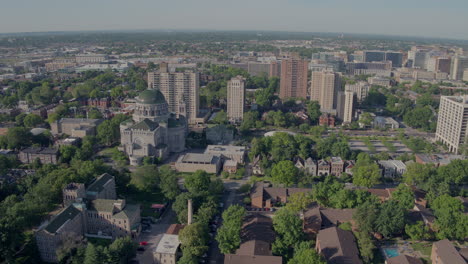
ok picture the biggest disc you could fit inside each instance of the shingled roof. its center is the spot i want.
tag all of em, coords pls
(98, 185)
(338, 246)
(60, 219)
(447, 252)
(404, 259)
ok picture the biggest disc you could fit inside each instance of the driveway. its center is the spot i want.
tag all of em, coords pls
(153, 238)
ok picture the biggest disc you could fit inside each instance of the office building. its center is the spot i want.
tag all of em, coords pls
(325, 86)
(452, 122)
(439, 64)
(361, 89)
(459, 65)
(236, 99)
(395, 57)
(180, 89)
(418, 57)
(372, 55)
(293, 78)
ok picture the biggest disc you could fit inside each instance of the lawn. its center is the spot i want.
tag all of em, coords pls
(424, 248)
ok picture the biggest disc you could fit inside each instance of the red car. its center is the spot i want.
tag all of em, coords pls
(143, 243)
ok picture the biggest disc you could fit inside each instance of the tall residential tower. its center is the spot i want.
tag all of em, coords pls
(236, 99)
(324, 89)
(293, 78)
(453, 122)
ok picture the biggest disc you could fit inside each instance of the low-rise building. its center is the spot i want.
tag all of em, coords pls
(323, 168)
(337, 166)
(392, 168)
(45, 155)
(236, 153)
(385, 123)
(168, 250)
(192, 162)
(75, 127)
(437, 159)
(230, 166)
(337, 246)
(327, 120)
(267, 197)
(443, 252)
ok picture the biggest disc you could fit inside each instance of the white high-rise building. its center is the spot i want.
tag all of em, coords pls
(361, 89)
(236, 99)
(453, 122)
(345, 106)
(180, 89)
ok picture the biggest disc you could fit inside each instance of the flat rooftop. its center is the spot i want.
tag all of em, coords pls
(197, 158)
(168, 244)
(225, 148)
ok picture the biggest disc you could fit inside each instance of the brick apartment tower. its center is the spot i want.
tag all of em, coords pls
(294, 73)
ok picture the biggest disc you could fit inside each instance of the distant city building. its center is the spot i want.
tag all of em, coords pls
(356, 68)
(372, 56)
(236, 99)
(181, 90)
(452, 122)
(380, 81)
(459, 65)
(361, 89)
(439, 64)
(465, 75)
(90, 58)
(395, 57)
(418, 57)
(270, 69)
(75, 127)
(293, 83)
(154, 131)
(325, 86)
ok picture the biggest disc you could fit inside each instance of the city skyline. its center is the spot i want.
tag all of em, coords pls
(338, 16)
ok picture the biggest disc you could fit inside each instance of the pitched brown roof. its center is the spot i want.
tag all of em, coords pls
(381, 193)
(258, 227)
(255, 247)
(332, 216)
(447, 252)
(404, 259)
(242, 259)
(338, 246)
(257, 190)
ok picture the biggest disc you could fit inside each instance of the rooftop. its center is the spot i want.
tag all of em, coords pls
(62, 218)
(338, 246)
(145, 124)
(151, 97)
(99, 183)
(404, 259)
(225, 148)
(447, 252)
(198, 158)
(168, 244)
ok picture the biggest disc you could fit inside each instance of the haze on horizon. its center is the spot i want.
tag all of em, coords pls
(419, 18)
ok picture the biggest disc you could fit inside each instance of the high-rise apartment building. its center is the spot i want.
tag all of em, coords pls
(345, 106)
(460, 63)
(293, 78)
(236, 99)
(325, 86)
(452, 123)
(180, 89)
(361, 89)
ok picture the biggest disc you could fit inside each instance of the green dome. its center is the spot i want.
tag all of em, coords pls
(151, 97)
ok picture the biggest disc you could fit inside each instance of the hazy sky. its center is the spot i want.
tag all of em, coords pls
(434, 18)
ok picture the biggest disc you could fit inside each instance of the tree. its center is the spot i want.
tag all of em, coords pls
(249, 121)
(122, 250)
(313, 110)
(304, 253)
(366, 172)
(404, 195)
(419, 117)
(107, 133)
(168, 182)
(288, 227)
(366, 215)
(391, 219)
(32, 120)
(450, 221)
(193, 239)
(145, 178)
(220, 117)
(92, 255)
(418, 231)
(299, 201)
(197, 183)
(284, 172)
(456, 172)
(18, 137)
(417, 173)
(366, 246)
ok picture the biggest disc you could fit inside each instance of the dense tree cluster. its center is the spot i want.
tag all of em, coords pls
(228, 236)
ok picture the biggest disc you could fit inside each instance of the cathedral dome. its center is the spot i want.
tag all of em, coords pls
(151, 97)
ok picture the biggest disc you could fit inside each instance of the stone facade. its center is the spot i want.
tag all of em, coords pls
(75, 127)
(154, 131)
(45, 155)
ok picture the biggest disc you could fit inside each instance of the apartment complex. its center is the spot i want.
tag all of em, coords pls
(90, 58)
(452, 122)
(293, 78)
(345, 106)
(236, 99)
(180, 89)
(459, 65)
(361, 89)
(325, 86)
(88, 211)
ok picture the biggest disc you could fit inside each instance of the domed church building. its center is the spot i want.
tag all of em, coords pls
(154, 131)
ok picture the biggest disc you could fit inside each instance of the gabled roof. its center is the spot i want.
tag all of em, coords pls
(243, 259)
(99, 183)
(129, 212)
(145, 124)
(60, 219)
(338, 246)
(447, 252)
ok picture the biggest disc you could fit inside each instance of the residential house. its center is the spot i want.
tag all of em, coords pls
(392, 168)
(323, 168)
(337, 166)
(310, 167)
(403, 259)
(267, 197)
(443, 252)
(316, 218)
(257, 235)
(337, 246)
